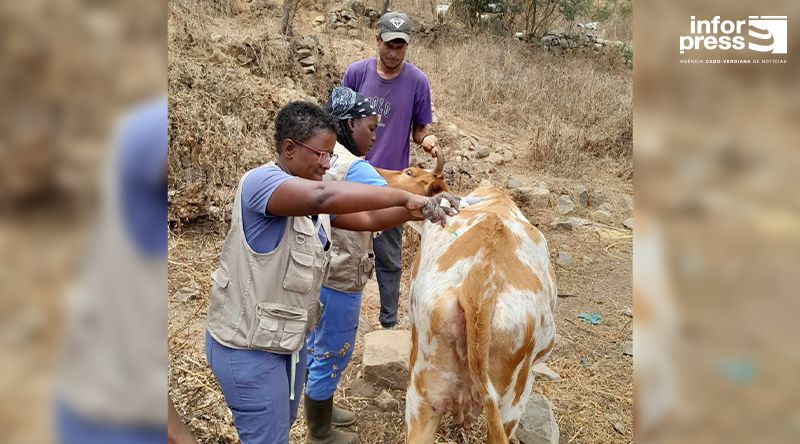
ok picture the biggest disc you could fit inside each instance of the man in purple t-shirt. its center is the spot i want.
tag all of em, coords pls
(400, 92)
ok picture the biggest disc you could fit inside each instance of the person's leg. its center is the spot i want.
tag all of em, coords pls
(388, 247)
(256, 388)
(331, 344)
(330, 348)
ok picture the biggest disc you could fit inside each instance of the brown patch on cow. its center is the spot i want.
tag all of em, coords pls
(466, 245)
(522, 378)
(415, 265)
(642, 310)
(445, 321)
(509, 427)
(533, 233)
(502, 373)
(494, 425)
(413, 357)
(419, 382)
(491, 232)
(545, 350)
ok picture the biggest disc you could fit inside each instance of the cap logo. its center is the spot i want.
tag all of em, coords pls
(397, 22)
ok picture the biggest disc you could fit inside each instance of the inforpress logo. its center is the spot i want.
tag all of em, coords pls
(767, 34)
(757, 33)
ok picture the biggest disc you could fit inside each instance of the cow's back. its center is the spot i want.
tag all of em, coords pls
(481, 307)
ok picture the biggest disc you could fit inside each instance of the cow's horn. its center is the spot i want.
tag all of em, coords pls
(439, 161)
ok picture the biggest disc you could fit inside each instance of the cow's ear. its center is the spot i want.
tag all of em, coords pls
(435, 188)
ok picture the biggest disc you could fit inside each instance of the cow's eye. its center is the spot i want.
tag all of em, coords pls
(409, 173)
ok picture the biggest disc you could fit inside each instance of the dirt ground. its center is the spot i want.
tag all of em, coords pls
(593, 400)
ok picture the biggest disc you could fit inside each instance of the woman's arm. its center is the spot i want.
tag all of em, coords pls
(376, 220)
(300, 197)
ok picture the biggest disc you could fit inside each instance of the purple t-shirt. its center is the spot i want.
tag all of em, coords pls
(264, 231)
(404, 100)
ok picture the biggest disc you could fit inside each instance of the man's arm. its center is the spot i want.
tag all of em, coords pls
(422, 136)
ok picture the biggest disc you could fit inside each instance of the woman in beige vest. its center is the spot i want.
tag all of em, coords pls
(265, 292)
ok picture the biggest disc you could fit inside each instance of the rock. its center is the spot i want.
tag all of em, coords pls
(186, 294)
(353, 32)
(357, 6)
(477, 169)
(565, 205)
(288, 83)
(541, 370)
(495, 159)
(628, 202)
(627, 348)
(569, 223)
(628, 223)
(533, 196)
(486, 183)
(304, 52)
(602, 216)
(385, 359)
(564, 259)
(309, 69)
(607, 206)
(482, 152)
(218, 56)
(619, 427)
(386, 402)
(627, 311)
(513, 183)
(582, 194)
(319, 19)
(308, 42)
(597, 198)
(508, 156)
(308, 61)
(538, 424)
(361, 388)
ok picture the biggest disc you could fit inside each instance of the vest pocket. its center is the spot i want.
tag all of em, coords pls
(300, 272)
(281, 328)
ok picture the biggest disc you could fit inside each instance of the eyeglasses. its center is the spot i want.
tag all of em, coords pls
(325, 158)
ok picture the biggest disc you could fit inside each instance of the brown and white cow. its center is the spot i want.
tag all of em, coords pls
(481, 308)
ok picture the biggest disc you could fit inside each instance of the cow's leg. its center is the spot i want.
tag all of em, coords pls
(421, 418)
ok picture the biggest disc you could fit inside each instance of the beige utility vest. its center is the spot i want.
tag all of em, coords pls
(353, 260)
(267, 301)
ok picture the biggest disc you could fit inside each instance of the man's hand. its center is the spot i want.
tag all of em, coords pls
(430, 144)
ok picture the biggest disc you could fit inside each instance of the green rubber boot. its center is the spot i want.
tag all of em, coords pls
(320, 428)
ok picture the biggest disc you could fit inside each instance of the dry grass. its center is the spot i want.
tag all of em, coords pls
(560, 110)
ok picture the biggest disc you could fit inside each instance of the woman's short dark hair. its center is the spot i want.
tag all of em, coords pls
(300, 121)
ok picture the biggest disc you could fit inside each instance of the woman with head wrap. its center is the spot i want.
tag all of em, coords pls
(331, 344)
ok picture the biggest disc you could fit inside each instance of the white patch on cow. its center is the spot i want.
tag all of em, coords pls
(413, 401)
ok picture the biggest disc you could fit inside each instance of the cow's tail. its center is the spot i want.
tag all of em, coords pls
(478, 302)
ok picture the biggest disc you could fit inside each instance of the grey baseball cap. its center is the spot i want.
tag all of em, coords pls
(394, 25)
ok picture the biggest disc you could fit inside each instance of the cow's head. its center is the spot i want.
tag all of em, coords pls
(417, 180)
